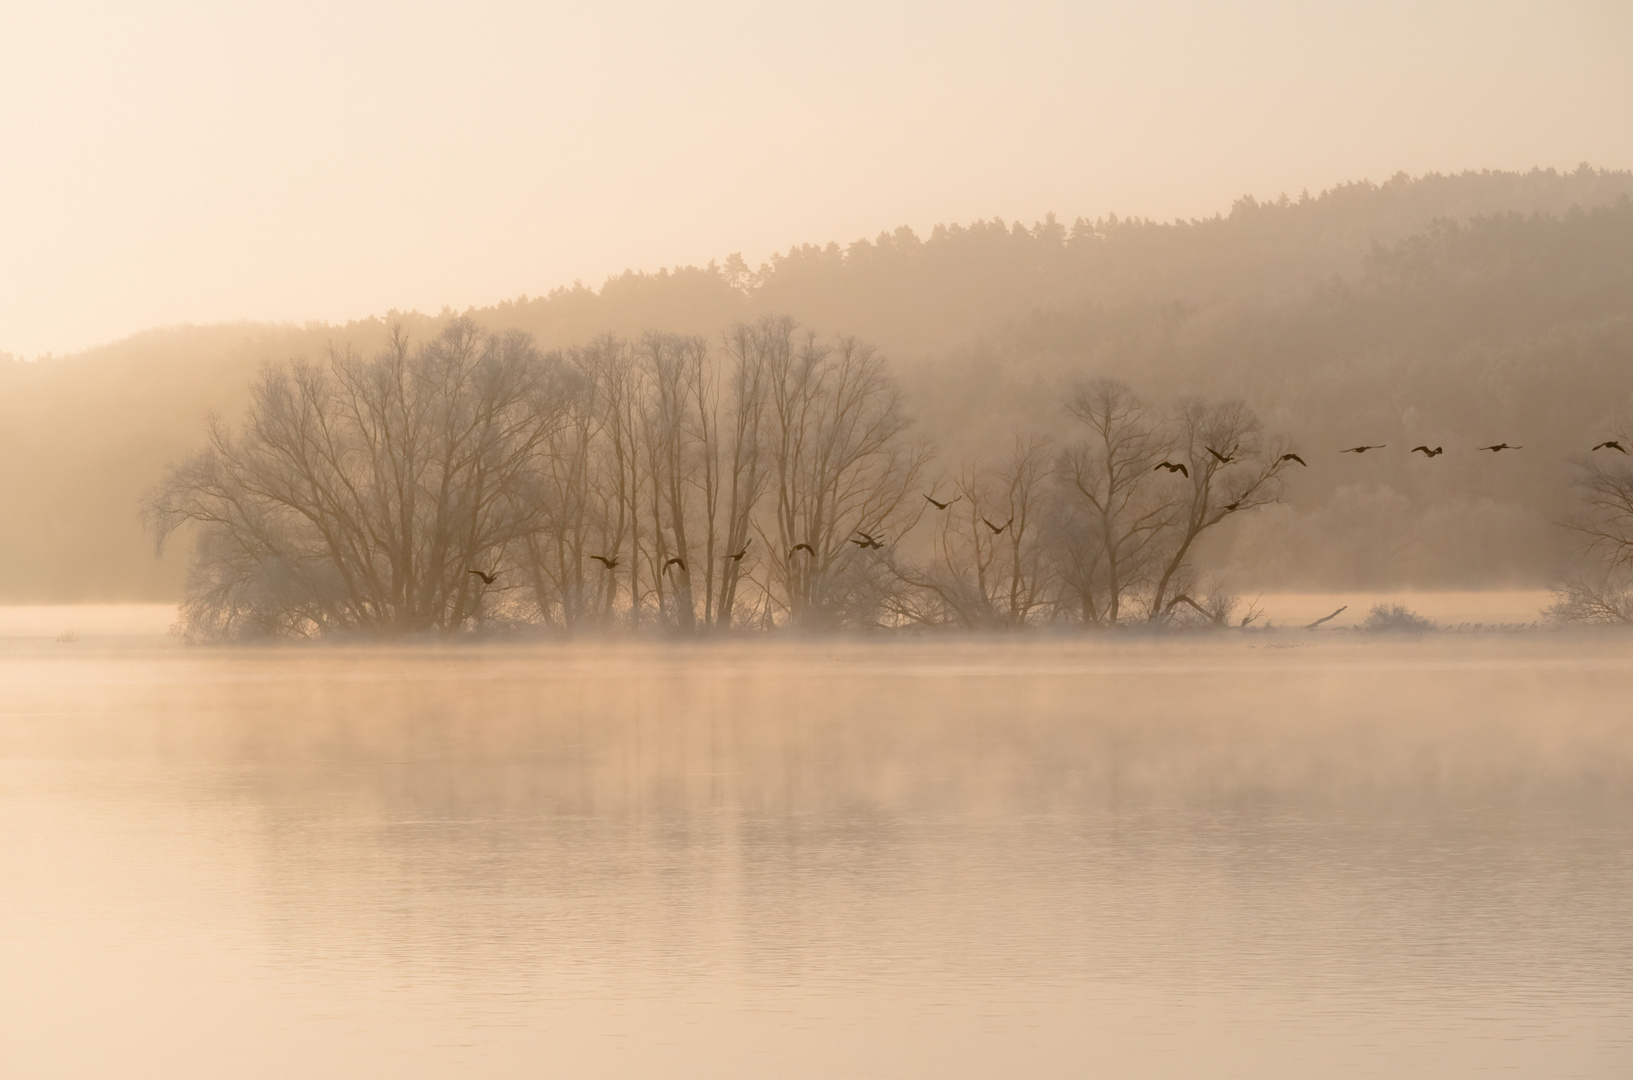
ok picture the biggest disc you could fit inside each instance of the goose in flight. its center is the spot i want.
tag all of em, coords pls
(1223, 459)
(675, 560)
(1173, 467)
(487, 579)
(1426, 452)
(943, 505)
(738, 557)
(801, 547)
(1501, 446)
(1611, 444)
(867, 541)
(1363, 449)
(1292, 457)
(996, 529)
(1231, 509)
(610, 564)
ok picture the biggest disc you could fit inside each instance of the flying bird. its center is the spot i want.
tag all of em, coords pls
(943, 505)
(996, 529)
(487, 579)
(866, 542)
(1501, 446)
(1612, 444)
(675, 560)
(1232, 507)
(801, 547)
(610, 564)
(1426, 452)
(739, 556)
(1363, 449)
(1173, 467)
(1223, 459)
(1291, 457)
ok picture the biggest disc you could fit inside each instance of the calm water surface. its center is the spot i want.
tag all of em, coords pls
(1259, 857)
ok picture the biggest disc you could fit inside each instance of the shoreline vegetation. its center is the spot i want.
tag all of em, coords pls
(772, 481)
(527, 640)
(1287, 618)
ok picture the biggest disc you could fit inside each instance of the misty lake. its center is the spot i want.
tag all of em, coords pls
(1273, 855)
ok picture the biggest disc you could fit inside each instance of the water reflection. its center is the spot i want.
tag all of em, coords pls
(820, 860)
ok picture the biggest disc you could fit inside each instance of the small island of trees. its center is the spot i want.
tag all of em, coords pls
(768, 479)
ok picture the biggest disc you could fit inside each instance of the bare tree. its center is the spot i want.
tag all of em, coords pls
(1599, 588)
(988, 567)
(836, 432)
(1232, 468)
(1604, 518)
(553, 559)
(359, 494)
(1117, 506)
(740, 473)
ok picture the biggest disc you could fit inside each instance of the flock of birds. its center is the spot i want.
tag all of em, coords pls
(1426, 451)
(870, 542)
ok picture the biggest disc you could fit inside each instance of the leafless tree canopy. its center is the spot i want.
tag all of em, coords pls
(1599, 587)
(358, 493)
(769, 478)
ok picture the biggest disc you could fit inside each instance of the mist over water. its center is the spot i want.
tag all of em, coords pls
(904, 540)
(1274, 855)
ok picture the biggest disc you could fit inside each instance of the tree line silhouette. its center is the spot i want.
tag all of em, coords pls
(767, 479)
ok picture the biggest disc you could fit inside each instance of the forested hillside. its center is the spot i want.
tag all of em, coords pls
(1453, 310)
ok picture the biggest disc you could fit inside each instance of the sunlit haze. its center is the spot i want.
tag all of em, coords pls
(183, 161)
(838, 540)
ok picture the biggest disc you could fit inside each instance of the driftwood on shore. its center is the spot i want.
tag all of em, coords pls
(1329, 618)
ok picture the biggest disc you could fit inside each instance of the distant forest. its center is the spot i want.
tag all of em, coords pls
(1453, 310)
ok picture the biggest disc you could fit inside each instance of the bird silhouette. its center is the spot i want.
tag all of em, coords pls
(996, 529)
(610, 564)
(738, 557)
(1363, 449)
(1292, 457)
(487, 579)
(1173, 467)
(867, 541)
(801, 547)
(1426, 452)
(1231, 509)
(943, 505)
(1611, 444)
(1223, 459)
(675, 561)
(1501, 446)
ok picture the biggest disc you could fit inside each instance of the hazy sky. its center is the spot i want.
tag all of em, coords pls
(177, 160)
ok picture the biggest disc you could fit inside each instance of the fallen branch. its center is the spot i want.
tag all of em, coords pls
(1334, 615)
(1205, 613)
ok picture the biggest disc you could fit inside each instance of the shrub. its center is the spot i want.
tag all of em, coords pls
(1395, 618)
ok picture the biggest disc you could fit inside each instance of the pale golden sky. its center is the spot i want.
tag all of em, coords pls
(175, 161)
